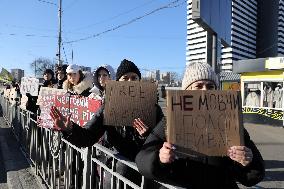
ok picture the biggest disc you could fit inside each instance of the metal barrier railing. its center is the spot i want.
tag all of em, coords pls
(63, 165)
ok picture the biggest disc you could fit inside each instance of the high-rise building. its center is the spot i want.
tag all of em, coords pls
(270, 28)
(243, 34)
(257, 30)
(17, 74)
(157, 75)
(197, 39)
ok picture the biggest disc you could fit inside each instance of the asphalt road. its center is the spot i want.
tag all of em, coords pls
(270, 142)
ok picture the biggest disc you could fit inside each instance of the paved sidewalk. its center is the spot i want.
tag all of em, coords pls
(270, 142)
(3, 174)
(17, 172)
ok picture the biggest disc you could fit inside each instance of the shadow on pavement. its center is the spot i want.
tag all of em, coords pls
(12, 158)
(274, 175)
(3, 172)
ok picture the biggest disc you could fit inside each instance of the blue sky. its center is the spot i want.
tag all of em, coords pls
(29, 29)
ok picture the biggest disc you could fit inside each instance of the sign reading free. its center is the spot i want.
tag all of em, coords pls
(129, 100)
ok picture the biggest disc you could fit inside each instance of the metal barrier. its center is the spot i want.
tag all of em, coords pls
(63, 165)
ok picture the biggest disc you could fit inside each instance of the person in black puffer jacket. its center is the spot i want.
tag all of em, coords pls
(127, 141)
(157, 159)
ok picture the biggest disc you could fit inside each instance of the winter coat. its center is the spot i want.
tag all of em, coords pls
(49, 83)
(124, 140)
(60, 84)
(82, 88)
(199, 172)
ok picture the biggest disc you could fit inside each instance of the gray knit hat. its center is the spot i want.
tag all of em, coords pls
(198, 71)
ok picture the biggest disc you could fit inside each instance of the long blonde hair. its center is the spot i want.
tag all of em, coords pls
(70, 85)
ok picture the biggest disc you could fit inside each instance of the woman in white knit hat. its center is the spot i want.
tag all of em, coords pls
(157, 159)
(199, 76)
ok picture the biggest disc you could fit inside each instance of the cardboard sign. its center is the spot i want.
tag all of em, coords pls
(29, 85)
(46, 99)
(7, 93)
(45, 92)
(24, 100)
(126, 101)
(204, 122)
(82, 109)
(45, 105)
(13, 95)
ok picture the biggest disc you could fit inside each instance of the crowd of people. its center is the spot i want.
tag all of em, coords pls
(146, 144)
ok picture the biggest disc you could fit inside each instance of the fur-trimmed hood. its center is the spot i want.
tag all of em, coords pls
(109, 69)
(84, 85)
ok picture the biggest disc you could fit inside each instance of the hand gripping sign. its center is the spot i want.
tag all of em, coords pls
(204, 122)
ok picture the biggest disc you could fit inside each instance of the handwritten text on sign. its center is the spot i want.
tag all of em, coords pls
(45, 92)
(82, 109)
(204, 122)
(29, 85)
(126, 101)
(46, 99)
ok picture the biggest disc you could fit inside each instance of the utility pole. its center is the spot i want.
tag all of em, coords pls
(59, 35)
(35, 68)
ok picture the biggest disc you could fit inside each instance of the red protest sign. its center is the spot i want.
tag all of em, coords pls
(82, 109)
(46, 103)
(46, 99)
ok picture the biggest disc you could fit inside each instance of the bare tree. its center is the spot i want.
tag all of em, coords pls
(39, 65)
(174, 76)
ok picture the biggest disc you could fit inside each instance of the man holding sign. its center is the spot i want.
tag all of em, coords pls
(124, 136)
(213, 153)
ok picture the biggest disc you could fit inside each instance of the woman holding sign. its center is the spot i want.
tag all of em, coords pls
(125, 140)
(157, 160)
(77, 82)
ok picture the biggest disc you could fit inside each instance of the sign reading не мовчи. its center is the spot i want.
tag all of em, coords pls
(204, 122)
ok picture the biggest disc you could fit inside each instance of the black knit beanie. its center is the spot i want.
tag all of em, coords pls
(127, 66)
(49, 71)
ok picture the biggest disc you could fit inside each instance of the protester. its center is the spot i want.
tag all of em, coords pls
(101, 75)
(61, 76)
(77, 83)
(126, 140)
(49, 80)
(157, 159)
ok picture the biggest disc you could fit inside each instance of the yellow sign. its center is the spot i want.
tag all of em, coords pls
(235, 86)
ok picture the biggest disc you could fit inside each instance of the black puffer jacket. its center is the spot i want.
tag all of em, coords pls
(206, 172)
(125, 140)
(49, 83)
